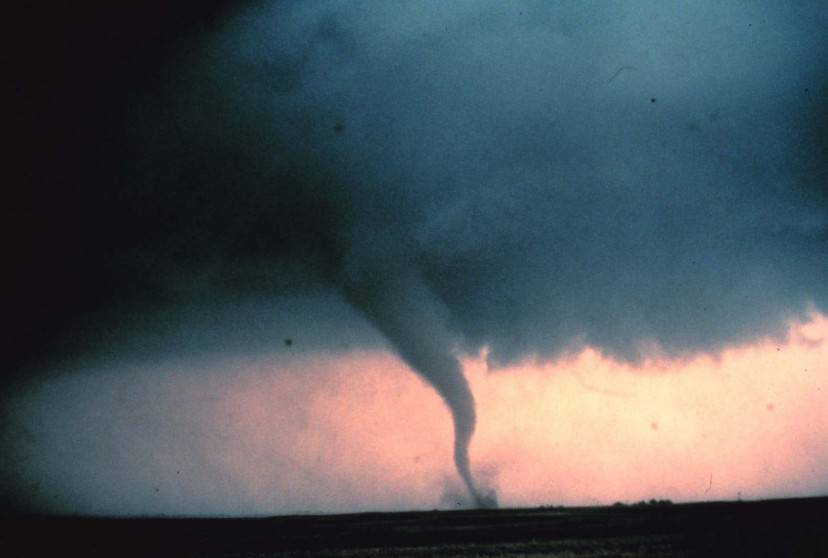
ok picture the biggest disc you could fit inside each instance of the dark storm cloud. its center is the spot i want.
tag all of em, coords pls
(618, 176)
(556, 175)
(526, 177)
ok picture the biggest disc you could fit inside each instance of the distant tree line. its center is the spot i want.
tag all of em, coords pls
(644, 503)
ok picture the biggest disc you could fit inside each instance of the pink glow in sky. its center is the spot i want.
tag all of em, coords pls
(360, 431)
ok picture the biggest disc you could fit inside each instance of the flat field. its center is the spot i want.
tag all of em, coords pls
(796, 527)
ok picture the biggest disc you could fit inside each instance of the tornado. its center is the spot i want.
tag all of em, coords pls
(402, 307)
(483, 176)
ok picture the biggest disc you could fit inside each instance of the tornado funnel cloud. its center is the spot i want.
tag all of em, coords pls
(404, 310)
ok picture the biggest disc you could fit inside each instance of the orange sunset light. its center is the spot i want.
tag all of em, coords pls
(750, 423)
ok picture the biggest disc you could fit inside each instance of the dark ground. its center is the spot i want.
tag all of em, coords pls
(769, 528)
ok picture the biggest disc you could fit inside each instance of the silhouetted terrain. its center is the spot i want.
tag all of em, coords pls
(768, 528)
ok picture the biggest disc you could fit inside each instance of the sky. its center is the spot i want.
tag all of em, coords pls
(281, 257)
(293, 433)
